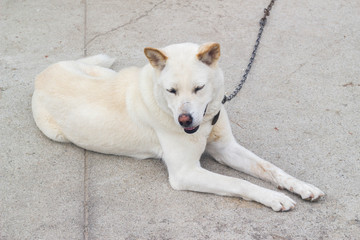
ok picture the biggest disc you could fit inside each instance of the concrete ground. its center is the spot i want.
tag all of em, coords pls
(299, 109)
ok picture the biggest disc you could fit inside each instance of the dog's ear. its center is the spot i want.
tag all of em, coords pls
(209, 53)
(156, 58)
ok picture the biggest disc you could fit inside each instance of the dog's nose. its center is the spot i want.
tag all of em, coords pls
(185, 120)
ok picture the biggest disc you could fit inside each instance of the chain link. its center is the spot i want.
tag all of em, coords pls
(253, 54)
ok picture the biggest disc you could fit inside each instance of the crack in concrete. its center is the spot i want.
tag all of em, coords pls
(85, 27)
(86, 172)
(288, 76)
(86, 197)
(131, 21)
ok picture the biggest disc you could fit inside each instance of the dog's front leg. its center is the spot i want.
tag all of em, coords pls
(223, 147)
(185, 173)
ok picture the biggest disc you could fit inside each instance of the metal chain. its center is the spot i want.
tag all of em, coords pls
(253, 54)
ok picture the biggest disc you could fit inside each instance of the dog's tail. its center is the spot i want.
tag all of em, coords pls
(102, 60)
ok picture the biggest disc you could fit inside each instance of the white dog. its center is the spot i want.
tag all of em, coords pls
(169, 109)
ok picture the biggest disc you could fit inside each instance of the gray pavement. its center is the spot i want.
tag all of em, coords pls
(299, 109)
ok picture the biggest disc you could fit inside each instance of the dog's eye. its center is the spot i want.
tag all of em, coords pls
(173, 91)
(198, 88)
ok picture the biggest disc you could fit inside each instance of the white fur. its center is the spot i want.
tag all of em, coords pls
(132, 113)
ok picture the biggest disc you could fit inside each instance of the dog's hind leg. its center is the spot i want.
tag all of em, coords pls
(97, 66)
(45, 121)
(223, 147)
(101, 60)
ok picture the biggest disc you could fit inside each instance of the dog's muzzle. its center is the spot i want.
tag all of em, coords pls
(191, 130)
(186, 120)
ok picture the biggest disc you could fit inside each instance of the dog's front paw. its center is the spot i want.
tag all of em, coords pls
(305, 190)
(310, 192)
(279, 202)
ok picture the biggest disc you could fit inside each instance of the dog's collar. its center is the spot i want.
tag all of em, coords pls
(215, 119)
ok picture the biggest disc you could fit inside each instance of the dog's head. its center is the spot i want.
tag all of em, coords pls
(188, 80)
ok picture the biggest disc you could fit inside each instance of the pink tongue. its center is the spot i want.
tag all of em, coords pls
(190, 128)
